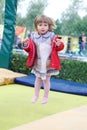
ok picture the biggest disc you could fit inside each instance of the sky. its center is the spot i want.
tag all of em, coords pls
(54, 8)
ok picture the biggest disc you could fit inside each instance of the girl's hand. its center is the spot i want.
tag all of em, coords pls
(25, 43)
(58, 42)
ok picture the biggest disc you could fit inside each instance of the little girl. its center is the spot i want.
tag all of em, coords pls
(44, 46)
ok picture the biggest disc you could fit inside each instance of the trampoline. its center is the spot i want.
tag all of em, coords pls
(57, 85)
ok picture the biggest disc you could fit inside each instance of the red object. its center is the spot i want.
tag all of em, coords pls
(31, 53)
(55, 60)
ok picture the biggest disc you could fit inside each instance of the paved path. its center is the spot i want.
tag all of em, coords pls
(75, 119)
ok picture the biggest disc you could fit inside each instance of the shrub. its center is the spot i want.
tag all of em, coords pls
(71, 69)
(18, 63)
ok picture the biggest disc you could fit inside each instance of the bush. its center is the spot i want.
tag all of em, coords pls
(74, 71)
(18, 64)
(71, 70)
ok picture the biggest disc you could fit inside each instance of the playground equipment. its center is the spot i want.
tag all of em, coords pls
(57, 85)
(8, 34)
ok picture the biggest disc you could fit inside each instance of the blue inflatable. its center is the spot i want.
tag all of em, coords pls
(58, 85)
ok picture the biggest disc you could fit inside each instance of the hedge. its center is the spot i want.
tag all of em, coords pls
(72, 70)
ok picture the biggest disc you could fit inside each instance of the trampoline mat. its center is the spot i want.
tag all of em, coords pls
(56, 85)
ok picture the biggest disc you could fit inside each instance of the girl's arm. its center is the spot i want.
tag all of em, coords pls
(59, 43)
(60, 47)
(25, 45)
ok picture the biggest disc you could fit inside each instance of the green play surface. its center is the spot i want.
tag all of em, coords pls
(16, 107)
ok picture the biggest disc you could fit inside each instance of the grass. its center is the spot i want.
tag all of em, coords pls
(16, 107)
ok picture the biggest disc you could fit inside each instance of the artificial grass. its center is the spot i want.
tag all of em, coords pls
(16, 107)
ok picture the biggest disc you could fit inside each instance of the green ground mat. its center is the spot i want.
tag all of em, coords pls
(16, 107)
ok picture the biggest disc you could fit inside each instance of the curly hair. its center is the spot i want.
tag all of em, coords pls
(44, 19)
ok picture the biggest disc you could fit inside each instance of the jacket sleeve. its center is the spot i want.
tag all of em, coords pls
(26, 47)
(61, 47)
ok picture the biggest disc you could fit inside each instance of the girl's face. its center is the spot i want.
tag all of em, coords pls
(42, 28)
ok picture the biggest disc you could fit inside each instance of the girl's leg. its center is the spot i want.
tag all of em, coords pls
(46, 89)
(38, 83)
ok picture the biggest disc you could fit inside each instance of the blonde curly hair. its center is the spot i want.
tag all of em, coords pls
(44, 19)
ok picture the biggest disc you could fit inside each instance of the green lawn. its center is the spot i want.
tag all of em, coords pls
(16, 107)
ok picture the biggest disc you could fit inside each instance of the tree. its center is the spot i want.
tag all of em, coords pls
(70, 18)
(58, 27)
(2, 3)
(35, 8)
(82, 25)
